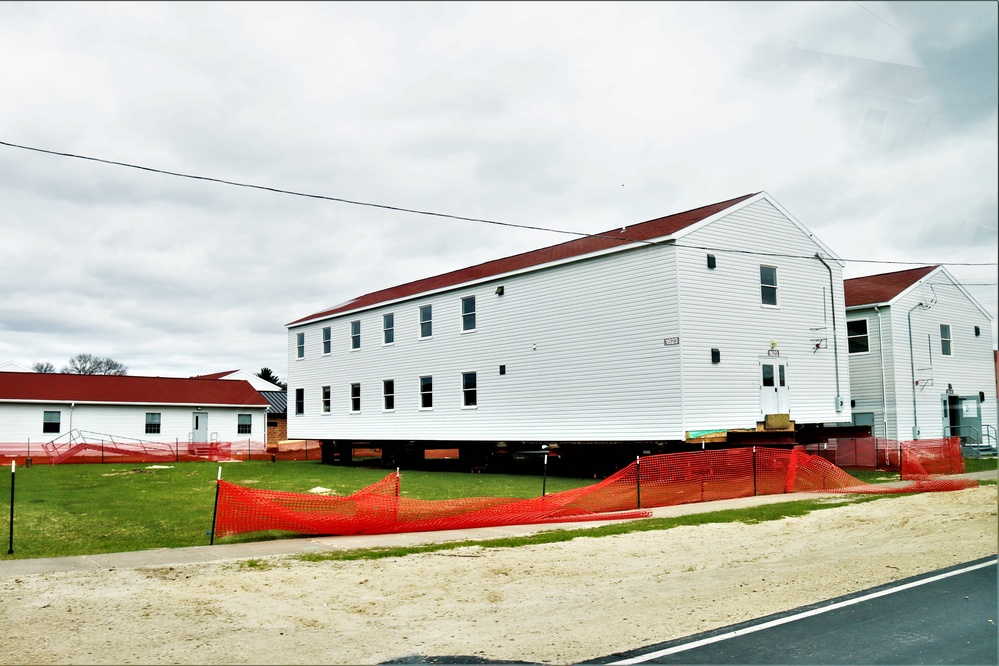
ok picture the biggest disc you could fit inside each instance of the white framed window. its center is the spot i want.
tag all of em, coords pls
(355, 334)
(300, 344)
(244, 424)
(426, 392)
(426, 321)
(388, 328)
(468, 314)
(327, 340)
(355, 397)
(326, 399)
(388, 394)
(153, 423)
(945, 340)
(768, 286)
(856, 336)
(51, 421)
(299, 401)
(469, 389)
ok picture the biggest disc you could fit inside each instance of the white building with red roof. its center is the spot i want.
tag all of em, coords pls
(44, 407)
(729, 316)
(921, 357)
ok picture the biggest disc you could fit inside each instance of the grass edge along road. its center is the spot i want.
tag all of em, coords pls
(93, 509)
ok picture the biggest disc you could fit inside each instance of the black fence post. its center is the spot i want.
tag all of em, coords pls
(10, 549)
(638, 480)
(215, 511)
(754, 472)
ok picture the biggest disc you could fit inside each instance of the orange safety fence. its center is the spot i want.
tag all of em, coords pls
(651, 481)
(913, 459)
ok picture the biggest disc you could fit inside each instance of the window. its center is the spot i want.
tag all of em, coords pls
(388, 395)
(468, 313)
(711, 261)
(426, 321)
(469, 395)
(426, 392)
(300, 342)
(355, 397)
(51, 421)
(355, 334)
(299, 401)
(856, 336)
(326, 400)
(388, 328)
(152, 423)
(327, 340)
(768, 285)
(244, 424)
(945, 347)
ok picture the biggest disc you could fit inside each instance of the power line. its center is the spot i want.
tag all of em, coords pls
(459, 217)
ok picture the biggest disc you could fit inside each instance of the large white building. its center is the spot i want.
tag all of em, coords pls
(729, 316)
(921, 357)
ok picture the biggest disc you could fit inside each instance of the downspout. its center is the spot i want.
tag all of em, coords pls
(832, 302)
(884, 389)
(912, 370)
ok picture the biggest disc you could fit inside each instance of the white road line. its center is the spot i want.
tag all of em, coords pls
(791, 618)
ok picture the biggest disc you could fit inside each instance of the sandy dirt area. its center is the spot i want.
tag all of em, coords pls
(559, 603)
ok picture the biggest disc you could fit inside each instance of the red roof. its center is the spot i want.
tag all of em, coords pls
(644, 231)
(883, 287)
(40, 386)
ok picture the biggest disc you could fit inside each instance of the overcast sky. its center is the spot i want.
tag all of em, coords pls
(873, 123)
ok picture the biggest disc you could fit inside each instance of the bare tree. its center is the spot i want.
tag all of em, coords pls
(88, 364)
(45, 367)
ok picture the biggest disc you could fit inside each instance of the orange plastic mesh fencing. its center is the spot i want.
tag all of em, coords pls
(652, 481)
(927, 457)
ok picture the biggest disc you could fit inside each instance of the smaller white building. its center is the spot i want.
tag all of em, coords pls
(44, 407)
(921, 357)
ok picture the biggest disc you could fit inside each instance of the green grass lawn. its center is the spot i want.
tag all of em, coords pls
(90, 509)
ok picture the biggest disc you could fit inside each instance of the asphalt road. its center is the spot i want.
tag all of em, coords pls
(945, 617)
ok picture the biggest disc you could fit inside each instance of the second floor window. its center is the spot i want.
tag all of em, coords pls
(768, 285)
(327, 340)
(469, 393)
(388, 394)
(355, 334)
(326, 399)
(152, 423)
(426, 321)
(300, 344)
(299, 401)
(945, 347)
(468, 313)
(856, 336)
(388, 328)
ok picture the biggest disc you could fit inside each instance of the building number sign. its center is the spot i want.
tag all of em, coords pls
(773, 352)
(669, 342)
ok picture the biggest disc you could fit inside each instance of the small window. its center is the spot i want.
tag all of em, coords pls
(711, 261)
(426, 392)
(426, 321)
(152, 423)
(300, 343)
(51, 421)
(945, 347)
(355, 397)
(978, 331)
(468, 313)
(856, 336)
(388, 394)
(716, 356)
(244, 424)
(299, 401)
(502, 369)
(768, 285)
(327, 340)
(388, 328)
(326, 399)
(355, 334)
(469, 393)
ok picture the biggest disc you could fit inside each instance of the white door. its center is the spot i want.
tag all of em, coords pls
(199, 426)
(774, 396)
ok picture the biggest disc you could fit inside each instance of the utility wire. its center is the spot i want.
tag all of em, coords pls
(459, 217)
